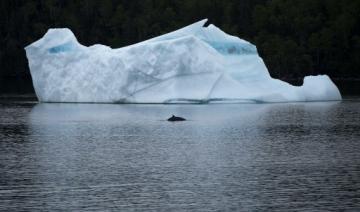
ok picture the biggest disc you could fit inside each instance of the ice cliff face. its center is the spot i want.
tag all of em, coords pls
(194, 64)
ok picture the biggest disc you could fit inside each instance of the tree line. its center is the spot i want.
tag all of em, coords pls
(294, 37)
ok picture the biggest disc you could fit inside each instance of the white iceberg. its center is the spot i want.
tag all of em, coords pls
(195, 64)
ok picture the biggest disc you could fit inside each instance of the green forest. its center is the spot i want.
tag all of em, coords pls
(294, 37)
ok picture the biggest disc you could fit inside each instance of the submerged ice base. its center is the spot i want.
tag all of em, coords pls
(194, 64)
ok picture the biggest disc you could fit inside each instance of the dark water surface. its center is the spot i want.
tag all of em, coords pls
(234, 157)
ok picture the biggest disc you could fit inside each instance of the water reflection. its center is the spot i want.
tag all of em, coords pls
(299, 156)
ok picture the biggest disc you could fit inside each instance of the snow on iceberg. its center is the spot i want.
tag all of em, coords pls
(195, 64)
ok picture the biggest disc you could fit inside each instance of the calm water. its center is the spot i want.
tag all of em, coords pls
(241, 157)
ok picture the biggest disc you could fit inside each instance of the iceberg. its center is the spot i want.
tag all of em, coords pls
(195, 64)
